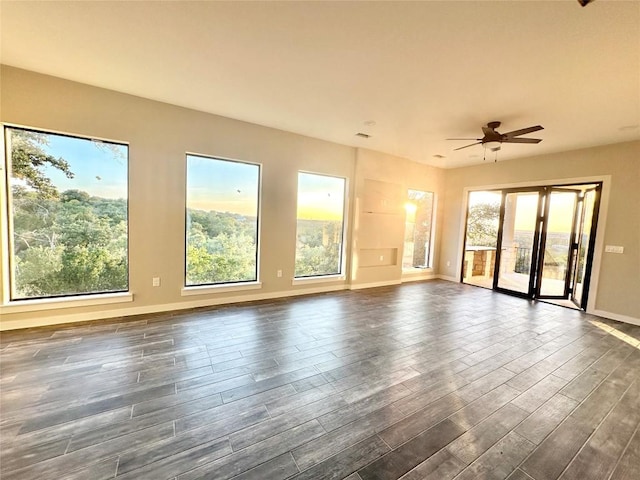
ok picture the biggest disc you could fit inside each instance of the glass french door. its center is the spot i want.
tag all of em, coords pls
(518, 240)
(557, 244)
(584, 241)
(543, 242)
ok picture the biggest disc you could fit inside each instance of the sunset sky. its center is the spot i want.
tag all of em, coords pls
(232, 187)
(211, 184)
(320, 197)
(222, 186)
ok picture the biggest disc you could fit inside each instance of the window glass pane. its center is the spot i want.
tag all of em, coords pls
(222, 221)
(319, 225)
(417, 238)
(68, 221)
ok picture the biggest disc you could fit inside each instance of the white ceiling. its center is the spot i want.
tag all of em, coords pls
(423, 71)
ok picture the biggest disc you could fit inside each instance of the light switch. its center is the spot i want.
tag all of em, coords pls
(613, 249)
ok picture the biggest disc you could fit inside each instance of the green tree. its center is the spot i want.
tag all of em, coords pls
(28, 159)
(77, 251)
(422, 229)
(33, 217)
(35, 268)
(318, 248)
(482, 224)
(229, 256)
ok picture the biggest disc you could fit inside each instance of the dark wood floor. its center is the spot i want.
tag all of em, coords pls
(429, 380)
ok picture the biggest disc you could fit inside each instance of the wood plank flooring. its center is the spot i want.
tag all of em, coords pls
(431, 380)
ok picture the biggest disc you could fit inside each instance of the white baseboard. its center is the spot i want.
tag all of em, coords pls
(616, 316)
(418, 278)
(360, 286)
(158, 308)
(448, 279)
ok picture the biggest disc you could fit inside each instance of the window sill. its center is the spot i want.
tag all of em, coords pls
(39, 304)
(417, 271)
(222, 288)
(318, 279)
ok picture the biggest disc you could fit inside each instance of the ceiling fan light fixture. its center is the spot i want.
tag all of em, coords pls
(493, 145)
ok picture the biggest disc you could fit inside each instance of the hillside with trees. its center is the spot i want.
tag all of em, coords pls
(221, 247)
(318, 247)
(68, 245)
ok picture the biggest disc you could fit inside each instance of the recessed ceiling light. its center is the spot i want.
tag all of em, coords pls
(437, 155)
(369, 123)
(363, 135)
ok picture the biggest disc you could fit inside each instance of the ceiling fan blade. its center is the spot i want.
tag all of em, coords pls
(522, 140)
(476, 139)
(523, 131)
(460, 148)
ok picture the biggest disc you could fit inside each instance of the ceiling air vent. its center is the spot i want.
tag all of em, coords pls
(363, 135)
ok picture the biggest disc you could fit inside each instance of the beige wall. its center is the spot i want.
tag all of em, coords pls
(617, 292)
(381, 183)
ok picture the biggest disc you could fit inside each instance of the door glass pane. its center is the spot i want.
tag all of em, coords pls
(518, 231)
(583, 243)
(556, 252)
(483, 218)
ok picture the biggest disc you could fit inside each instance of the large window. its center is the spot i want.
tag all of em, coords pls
(418, 230)
(222, 221)
(319, 225)
(67, 222)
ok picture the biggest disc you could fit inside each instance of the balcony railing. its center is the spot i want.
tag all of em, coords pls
(523, 260)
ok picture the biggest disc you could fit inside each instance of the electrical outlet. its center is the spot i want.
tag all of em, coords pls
(279, 273)
(381, 258)
(448, 263)
(155, 281)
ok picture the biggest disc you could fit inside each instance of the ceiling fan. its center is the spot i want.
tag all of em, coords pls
(493, 139)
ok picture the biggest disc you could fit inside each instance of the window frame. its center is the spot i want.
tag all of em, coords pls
(230, 286)
(7, 302)
(341, 275)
